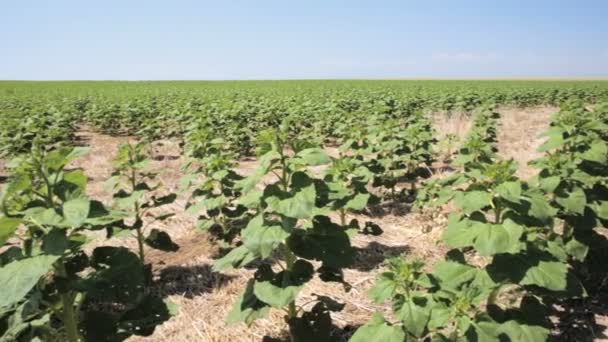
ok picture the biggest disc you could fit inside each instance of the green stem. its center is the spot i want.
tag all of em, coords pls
(138, 220)
(290, 260)
(68, 314)
(69, 317)
(497, 212)
(140, 239)
(343, 217)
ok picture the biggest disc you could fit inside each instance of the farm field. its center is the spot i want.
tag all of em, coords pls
(396, 210)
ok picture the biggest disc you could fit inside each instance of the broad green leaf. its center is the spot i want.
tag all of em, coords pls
(556, 140)
(248, 307)
(247, 184)
(547, 274)
(313, 157)
(55, 242)
(78, 178)
(414, 317)
(280, 289)
(487, 331)
(492, 239)
(597, 152)
(574, 201)
(577, 249)
(602, 210)
(549, 184)
(262, 240)
(237, 257)
(75, 212)
(511, 191)
(540, 208)
(359, 202)
(453, 274)
(275, 296)
(19, 277)
(127, 201)
(472, 201)
(8, 226)
(251, 199)
(384, 288)
(301, 205)
(378, 330)
(460, 232)
(522, 332)
(44, 216)
(325, 241)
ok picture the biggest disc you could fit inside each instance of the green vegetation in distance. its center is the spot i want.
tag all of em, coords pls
(517, 247)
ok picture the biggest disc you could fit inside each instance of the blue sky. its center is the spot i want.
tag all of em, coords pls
(181, 39)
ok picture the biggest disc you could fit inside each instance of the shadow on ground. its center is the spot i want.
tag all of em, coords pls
(374, 254)
(586, 319)
(188, 281)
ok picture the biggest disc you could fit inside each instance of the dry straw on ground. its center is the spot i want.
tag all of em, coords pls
(205, 297)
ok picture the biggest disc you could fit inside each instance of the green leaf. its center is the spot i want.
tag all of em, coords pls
(44, 216)
(577, 249)
(55, 242)
(523, 332)
(8, 226)
(237, 257)
(511, 191)
(358, 202)
(19, 277)
(251, 199)
(597, 152)
(547, 274)
(602, 210)
(278, 290)
(556, 140)
(384, 288)
(453, 274)
(378, 330)
(460, 232)
(549, 184)
(495, 239)
(540, 207)
(313, 157)
(414, 317)
(574, 201)
(75, 212)
(260, 239)
(77, 178)
(301, 205)
(325, 241)
(248, 307)
(247, 184)
(127, 201)
(472, 201)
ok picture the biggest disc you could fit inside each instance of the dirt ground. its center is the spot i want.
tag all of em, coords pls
(205, 298)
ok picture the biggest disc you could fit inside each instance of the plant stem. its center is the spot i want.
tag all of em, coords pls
(290, 260)
(497, 211)
(140, 240)
(343, 217)
(69, 317)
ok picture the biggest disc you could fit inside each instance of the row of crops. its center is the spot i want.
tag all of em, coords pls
(517, 248)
